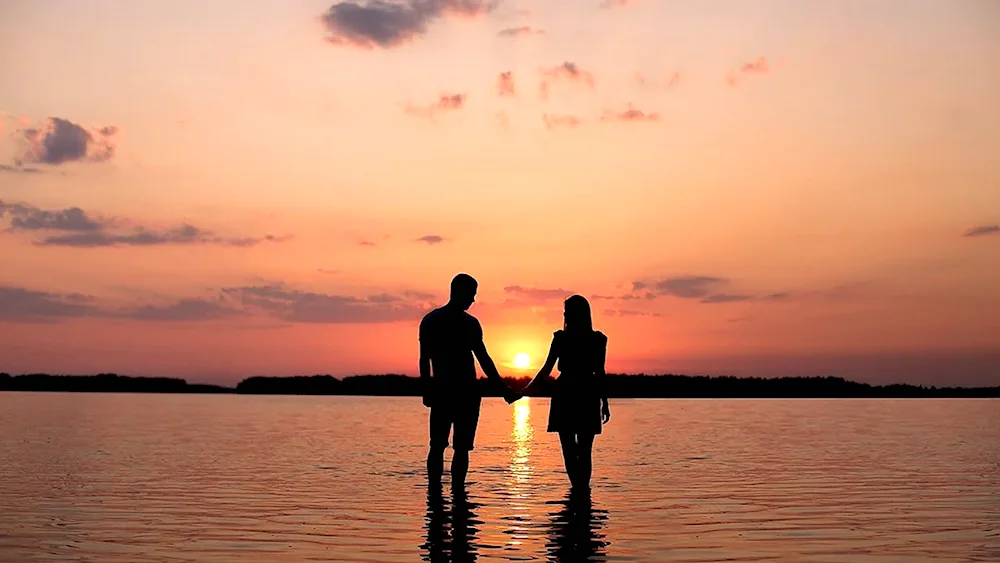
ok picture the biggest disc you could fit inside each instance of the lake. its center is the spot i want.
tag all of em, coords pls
(212, 478)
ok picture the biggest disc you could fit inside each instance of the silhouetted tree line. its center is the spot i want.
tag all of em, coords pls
(618, 386)
(104, 383)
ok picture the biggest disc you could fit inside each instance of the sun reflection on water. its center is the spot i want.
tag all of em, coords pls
(520, 472)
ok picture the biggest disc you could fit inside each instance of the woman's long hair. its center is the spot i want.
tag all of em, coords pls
(576, 315)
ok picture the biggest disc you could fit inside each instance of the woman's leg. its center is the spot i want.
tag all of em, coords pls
(584, 459)
(568, 441)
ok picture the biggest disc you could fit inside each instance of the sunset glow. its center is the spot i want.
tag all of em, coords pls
(522, 360)
(802, 189)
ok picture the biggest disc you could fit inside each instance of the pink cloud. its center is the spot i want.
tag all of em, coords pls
(445, 102)
(570, 72)
(505, 84)
(630, 114)
(554, 121)
(756, 66)
(567, 72)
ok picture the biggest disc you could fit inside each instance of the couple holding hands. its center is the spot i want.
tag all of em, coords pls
(451, 340)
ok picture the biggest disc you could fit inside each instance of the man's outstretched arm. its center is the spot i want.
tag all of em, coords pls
(490, 369)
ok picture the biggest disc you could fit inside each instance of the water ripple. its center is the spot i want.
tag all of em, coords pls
(116, 478)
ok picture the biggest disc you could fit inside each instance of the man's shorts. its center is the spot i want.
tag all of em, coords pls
(463, 414)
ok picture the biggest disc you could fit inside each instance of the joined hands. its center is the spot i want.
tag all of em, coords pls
(511, 396)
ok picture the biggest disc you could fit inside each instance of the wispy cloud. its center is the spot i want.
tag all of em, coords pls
(184, 234)
(566, 72)
(536, 294)
(629, 313)
(445, 102)
(706, 289)
(982, 230)
(570, 72)
(556, 121)
(24, 217)
(74, 227)
(608, 4)
(646, 295)
(671, 80)
(383, 24)
(19, 168)
(20, 304)
(310, 307)
(757, 66)
(717, 290)
(686, 287)
(184, 310)
(419, 295)
(520, 31)
(505, 84)
(630, 115)
(431, 239)
(59, 141)
(726, 298)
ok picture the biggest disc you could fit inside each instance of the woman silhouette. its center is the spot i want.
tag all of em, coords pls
(579, 401)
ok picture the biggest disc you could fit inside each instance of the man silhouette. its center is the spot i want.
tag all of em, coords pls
(449, 338)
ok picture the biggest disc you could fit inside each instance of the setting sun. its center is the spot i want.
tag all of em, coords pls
(521, 360)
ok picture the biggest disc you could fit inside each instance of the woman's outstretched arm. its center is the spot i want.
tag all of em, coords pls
(546, 369)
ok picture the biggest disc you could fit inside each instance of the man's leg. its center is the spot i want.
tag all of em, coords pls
(466, 422)
(440, 426)
(435, 464)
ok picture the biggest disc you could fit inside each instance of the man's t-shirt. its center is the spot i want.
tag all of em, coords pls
(447, 337)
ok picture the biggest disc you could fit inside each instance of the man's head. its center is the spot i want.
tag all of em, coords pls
(463, 291)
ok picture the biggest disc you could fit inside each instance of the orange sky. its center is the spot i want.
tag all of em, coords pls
(206, 191)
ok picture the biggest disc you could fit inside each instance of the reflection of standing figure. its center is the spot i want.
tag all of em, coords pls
(451, 531)
(575, 533)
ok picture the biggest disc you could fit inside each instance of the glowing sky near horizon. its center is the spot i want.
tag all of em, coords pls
(213, 189)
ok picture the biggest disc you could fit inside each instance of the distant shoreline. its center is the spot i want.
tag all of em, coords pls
(621, 386)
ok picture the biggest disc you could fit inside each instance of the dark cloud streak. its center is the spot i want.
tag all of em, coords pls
(384, 24)
(78, 229)
(19, 304)
(982, 230)
(309, 307)
(184, 310)
(431, 239)
(520, 31)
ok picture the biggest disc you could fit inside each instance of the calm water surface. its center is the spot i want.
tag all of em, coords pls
(109, 478)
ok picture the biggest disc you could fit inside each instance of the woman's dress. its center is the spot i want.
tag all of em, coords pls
(577, 392)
